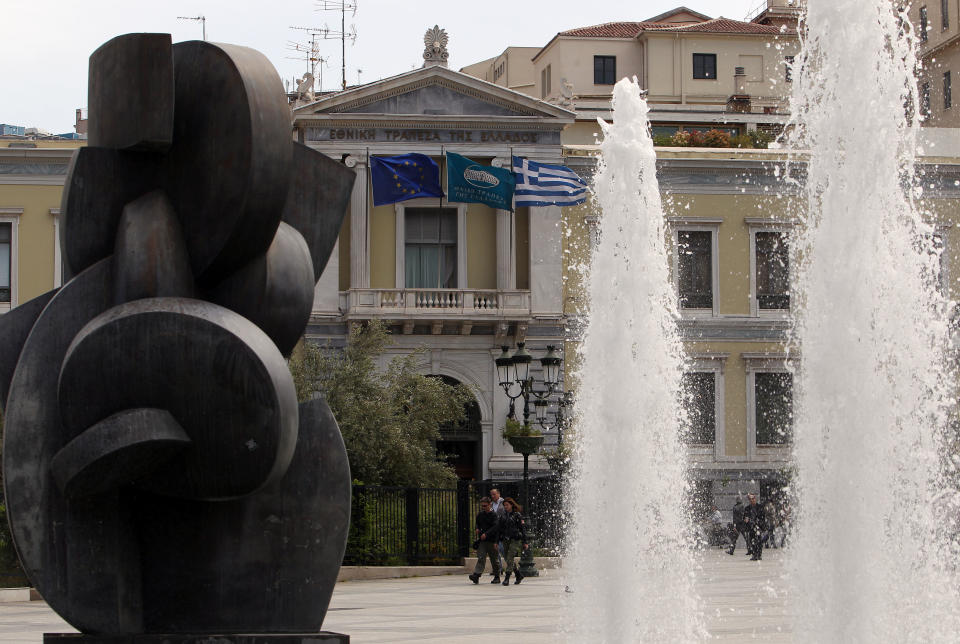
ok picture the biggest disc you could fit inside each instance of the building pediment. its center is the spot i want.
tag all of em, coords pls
(433, 92)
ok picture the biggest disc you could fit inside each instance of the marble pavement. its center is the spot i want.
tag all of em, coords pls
(743, 602)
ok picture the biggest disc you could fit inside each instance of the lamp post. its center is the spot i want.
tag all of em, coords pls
(514, 376)
(560, 417)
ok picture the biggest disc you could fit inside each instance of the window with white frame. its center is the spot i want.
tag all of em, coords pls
(6, 262)
(770, 273)
(695, 274)
(699, 399)
(773, 407)
(431, 245)
(430, 248)
(772, 270)
(9, 218)
(57, 255)
(770, 391)
(702, 397)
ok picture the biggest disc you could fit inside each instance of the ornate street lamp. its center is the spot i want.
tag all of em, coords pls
(513, 373)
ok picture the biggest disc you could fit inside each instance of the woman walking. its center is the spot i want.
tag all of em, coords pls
(513, 536)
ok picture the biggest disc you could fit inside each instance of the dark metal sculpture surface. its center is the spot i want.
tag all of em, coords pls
(160, 476)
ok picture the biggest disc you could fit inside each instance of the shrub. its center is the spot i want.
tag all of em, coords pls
(696, 139)
(716, 139)
(741, 141)
(513, 428)
(681, 139)
(759, 138)
(663, 140)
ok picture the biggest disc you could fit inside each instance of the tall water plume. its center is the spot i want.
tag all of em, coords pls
(872, 558)
(630, 571)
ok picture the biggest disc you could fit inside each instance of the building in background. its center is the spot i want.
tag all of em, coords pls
(32, 175)
(935, 24)
(700, 73)
(453, 280)
(511, 69)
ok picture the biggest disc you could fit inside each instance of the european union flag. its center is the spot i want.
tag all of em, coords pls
(403, 177)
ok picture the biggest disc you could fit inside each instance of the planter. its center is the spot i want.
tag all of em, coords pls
(525, 444)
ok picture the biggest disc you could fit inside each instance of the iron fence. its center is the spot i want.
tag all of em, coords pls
(435, 526)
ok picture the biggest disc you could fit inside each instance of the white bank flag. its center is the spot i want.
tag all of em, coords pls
(540, 184)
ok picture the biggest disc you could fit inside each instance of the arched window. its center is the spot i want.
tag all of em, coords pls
(461, 442)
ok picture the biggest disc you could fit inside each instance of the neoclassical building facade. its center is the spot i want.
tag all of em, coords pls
(454, 281)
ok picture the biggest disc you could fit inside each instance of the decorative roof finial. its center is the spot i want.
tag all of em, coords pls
(435, 52)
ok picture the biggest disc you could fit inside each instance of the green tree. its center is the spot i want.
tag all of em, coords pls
(389, 419)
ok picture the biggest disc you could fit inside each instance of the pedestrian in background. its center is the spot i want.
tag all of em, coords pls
(496, 504)
(754, 519)
(737, 527)
(513, 537)
(486, 543)
(770, 516)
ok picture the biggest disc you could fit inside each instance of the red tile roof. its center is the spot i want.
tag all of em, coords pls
(725, 26)
(633, 29)
(606, 30)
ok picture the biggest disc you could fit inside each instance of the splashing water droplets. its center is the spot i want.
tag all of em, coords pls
(627, 543)
(871, 555)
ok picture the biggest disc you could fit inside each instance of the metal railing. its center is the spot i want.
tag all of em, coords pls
(434, 526)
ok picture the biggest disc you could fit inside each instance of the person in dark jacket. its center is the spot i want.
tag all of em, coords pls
(486, 543)
(737, 527)
(513, 536)
(755, 520)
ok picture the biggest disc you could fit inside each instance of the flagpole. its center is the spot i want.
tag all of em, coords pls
(511, 172)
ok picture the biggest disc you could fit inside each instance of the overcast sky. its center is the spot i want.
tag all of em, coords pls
(46, 43)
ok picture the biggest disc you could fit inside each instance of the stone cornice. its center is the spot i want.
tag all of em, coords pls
(428, 122)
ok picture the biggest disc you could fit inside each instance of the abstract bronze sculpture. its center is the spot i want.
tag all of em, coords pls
(162, 482)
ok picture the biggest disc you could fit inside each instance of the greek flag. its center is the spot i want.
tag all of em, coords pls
(540, 184)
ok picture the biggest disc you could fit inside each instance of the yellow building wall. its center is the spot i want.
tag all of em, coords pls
(481, 247)
(734, 386)
(576, 254)
(945, 214)
(35, 236)
(669, 66)
(383, 246)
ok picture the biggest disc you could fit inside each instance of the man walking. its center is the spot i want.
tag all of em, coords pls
(496, 505)
(486, 543)
(737, 527)
(754, 519)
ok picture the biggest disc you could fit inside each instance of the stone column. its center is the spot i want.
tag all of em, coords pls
(326, 294)
(359, 226)
(506, 241)
(506, 251)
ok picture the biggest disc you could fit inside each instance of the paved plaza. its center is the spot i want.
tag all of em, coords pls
(743, 601)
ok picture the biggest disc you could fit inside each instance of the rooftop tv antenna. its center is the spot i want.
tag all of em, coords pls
(202, 19)
(342, 6)
(310, 51)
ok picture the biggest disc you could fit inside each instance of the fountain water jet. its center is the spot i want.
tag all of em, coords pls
(631, 570)
(871, 557)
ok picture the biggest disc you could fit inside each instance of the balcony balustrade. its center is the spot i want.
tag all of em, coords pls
(436, 303)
